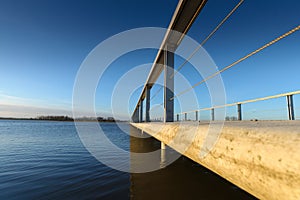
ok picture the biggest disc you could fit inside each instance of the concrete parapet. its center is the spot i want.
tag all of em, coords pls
(261, 157)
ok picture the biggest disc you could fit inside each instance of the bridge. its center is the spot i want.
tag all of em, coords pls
(259, 156)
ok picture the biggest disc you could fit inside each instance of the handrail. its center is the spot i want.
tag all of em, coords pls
(244, 102)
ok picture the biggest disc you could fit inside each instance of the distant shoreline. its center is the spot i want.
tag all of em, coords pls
(64, 119)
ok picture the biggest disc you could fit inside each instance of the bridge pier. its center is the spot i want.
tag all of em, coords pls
(162, 155)
(163, 145)
(163, 158)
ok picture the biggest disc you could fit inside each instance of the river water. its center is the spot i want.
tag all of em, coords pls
(46, 160)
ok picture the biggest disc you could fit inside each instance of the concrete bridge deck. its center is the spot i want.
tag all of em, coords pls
(261, 157)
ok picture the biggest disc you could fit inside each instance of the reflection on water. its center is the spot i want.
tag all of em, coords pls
(46, 160)
(183, 179)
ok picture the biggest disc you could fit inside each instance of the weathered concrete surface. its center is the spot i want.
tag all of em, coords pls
(260, 157)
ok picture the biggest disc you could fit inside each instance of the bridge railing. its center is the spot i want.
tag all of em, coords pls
(183, 18)
(290, 107)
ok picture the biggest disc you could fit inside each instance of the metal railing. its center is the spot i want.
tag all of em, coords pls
(188, 10)
(290, 107)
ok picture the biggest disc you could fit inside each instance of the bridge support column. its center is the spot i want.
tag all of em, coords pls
(185, 116)
(212, 114)
(141, 111)
(239, 110)
(163, 157)
(196, 113)
(169, 84)
(148, 88)
(178, 117)
(162, 145)
(290, 107)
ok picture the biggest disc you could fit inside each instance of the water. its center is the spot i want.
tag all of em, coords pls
(46, 160)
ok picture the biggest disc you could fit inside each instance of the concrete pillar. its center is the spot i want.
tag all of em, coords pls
(239, 111)
(196, 113)
(178, 117)
(141, 111)
(163, 145)
(148, 88)
(212, 114)
(185, 116)
(290, 107)
(169, 84)
(163, 158)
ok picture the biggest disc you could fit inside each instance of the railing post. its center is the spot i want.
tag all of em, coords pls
(239, 110)
(134, 118)
(141, 111)
(138, 114)
(178, 117)
(196, 113)
(212, 114)
(290, 107)
(148, 88)
(169, 84)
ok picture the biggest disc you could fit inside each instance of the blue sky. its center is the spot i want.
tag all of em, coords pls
(43, 43)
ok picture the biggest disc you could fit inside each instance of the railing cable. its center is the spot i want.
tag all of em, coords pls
(245, 102)
(207, 38)
(202, 43)
(240, 60)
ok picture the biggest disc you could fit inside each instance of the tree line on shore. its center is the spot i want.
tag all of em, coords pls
(64, 118)
(67, 118)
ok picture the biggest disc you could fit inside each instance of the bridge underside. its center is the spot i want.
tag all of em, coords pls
(260, 157)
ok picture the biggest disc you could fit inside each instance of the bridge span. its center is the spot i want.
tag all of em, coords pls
(261, 157)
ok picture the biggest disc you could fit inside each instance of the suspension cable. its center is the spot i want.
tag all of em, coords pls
(240, 60)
